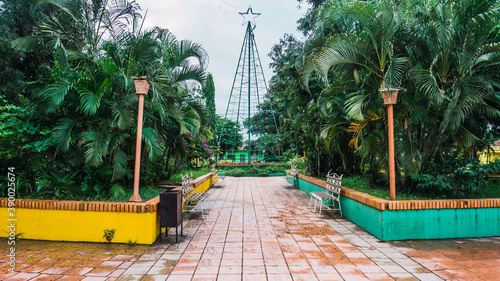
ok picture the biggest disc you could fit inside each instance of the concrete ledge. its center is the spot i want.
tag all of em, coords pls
(78, 221)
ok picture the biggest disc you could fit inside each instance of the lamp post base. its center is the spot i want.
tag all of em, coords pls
(135, 198)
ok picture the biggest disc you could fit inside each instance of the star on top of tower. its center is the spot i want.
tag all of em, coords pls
(249, 13)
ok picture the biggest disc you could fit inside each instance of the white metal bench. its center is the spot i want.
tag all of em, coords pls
(333, 188)
(188, 194)
(215, 175)
(220, 179)
(292, 176)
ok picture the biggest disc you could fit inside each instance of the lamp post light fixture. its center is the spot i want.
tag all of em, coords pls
(390, 97)
(141, 89)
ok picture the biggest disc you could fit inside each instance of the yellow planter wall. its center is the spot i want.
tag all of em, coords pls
(86, 221)
(88, 226)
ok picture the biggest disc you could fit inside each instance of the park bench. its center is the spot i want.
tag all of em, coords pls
(292, 176)
(333, 188)
(188, 194)
(217, 177)
(220, 179)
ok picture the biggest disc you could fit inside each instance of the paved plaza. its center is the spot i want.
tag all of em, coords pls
(260, 229)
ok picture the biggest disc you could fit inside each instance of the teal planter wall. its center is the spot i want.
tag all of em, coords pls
(441, 223)
(418, 223)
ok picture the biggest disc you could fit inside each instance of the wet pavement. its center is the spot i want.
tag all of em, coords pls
(259, 229)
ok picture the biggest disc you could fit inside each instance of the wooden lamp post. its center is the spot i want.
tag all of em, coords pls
(141, 88)
(390, 97)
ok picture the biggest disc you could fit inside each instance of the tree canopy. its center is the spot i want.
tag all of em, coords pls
(442, 54)
(78, 111)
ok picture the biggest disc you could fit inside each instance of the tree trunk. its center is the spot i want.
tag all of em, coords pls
(435, 150)
(319, 152)
(425, 151)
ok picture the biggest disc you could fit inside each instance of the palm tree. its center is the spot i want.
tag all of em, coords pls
(91, 94)
(359, 56)
(448, 93)
(458, 75)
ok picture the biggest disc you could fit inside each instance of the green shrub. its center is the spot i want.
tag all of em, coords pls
(237, 172)
(196, 173)
(109, 234)
(456, 177)
(300, 164)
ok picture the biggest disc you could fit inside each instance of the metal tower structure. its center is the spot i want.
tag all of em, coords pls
(249, 85)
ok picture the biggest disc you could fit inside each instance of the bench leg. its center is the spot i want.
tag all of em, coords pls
(320, 206)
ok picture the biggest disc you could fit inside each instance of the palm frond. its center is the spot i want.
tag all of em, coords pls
(54, 94)
(427, 85)
(61, 134)
(97, 147)
(26, 44)
(120, 160)
(152, 143)
(396, 71)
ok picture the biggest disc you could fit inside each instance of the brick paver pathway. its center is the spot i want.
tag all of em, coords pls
(259, 229)
(44, 260)
(462, 259)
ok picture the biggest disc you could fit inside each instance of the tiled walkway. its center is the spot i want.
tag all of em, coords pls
(257, 229)
(44, 260)
(261, 229)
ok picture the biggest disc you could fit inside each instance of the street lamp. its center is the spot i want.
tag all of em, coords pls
(141, 89)
(390, 97)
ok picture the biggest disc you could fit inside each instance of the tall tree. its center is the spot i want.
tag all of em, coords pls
(98, 46)
(209, 95)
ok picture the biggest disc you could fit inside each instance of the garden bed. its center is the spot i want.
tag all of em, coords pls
(363, 184)
(415, 219)
(85, 221)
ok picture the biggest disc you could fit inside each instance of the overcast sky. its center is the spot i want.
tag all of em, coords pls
(217, 25)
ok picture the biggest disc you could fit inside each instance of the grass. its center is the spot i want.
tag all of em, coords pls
(491, 191)
(362, 184)
(196, 173)
(262, 171)
(147, 193)
(116, 192)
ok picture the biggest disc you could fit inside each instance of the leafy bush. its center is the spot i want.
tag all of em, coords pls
(54, 185)
(262, 171)
(300, 163)
(456, 177)
(237, 172)
(117, 193)
(196, 173)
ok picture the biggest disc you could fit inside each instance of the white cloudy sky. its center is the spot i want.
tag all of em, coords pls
(217, 25)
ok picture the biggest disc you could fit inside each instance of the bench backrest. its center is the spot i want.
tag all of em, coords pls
(334, 183)
(293, 171)
(187, 184)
